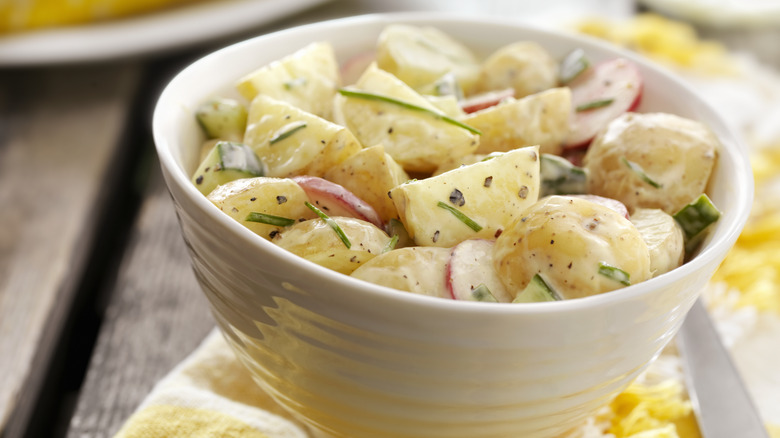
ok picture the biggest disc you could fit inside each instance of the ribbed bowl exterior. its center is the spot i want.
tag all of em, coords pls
(355, 360)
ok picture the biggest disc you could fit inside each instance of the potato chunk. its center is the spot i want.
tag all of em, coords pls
(421, 55)
(307, 79)
(491, 193)
(663, 236)
(418, 270)
(525, 66)
(316, 241)
(539, 119)
(417, 140)
(370, 174)
(290, 141)
(273, 196)
(654, 160)
(569, 241)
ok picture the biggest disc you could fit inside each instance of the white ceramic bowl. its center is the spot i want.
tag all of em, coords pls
(353, 359)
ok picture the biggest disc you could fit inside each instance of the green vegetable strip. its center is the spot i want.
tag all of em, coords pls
(595, 104)
(289, 85)
(287, 133)
(387, 99)
(461, 217)
(391, 244)
(640, 172)
(696, 216)
(614, 273)
(331, 223)
(573, 65)
(482, 293)
(269, 219)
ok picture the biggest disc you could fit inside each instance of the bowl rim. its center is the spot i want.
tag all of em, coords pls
(719, 245)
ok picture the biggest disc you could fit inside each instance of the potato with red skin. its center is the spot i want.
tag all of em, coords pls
(565, 240)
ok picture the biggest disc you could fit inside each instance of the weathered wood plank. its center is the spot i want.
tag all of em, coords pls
(157, 316)
(59, 133)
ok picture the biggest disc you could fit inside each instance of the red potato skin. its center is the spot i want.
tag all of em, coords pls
(617, 79)
(335, 200)
(485, 100)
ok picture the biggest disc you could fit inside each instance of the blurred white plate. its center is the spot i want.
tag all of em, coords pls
(721, 13)
(143, 34)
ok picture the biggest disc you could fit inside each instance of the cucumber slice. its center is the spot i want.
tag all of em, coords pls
(694, 218)
(223, 118)
(560, 177)
(227, 161)
(483, 294)
(537, 291)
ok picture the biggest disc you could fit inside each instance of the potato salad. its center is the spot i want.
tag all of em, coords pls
(512, 176)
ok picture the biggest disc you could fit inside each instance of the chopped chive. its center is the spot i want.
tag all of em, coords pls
(331, 223)
(696, 216)
(573, 65)
(269, 219)
(289, 85)
(387, 99)
(482, 293)
(491, 155)
(595, 104)
(640, 172)
(287, 133)
(461, 217)
(614, 273)
(537, 291)
(391, 244)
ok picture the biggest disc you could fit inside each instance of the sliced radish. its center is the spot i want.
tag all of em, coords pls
(614, 204)
(471, 265)
(335, 200)
(355, 66)
(602, 93)
(486, 100)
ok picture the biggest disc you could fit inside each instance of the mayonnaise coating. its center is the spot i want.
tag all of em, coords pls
(653, 160)
(566, 240)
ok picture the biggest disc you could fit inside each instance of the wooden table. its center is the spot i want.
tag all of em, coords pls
(97, 298)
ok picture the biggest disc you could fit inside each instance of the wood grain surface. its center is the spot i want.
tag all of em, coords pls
(157, 316)
(53, 176)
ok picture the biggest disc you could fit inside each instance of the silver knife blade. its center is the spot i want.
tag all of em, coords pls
(719, 397)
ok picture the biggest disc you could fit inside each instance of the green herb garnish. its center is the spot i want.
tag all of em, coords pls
(537, 291)
(614, 273)
(331, 223)
(269, 219)
(461, 217)
(287, 133)
(292, 83)
(640, 172)
(387, 99)
(593, 105)
(391, 244)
